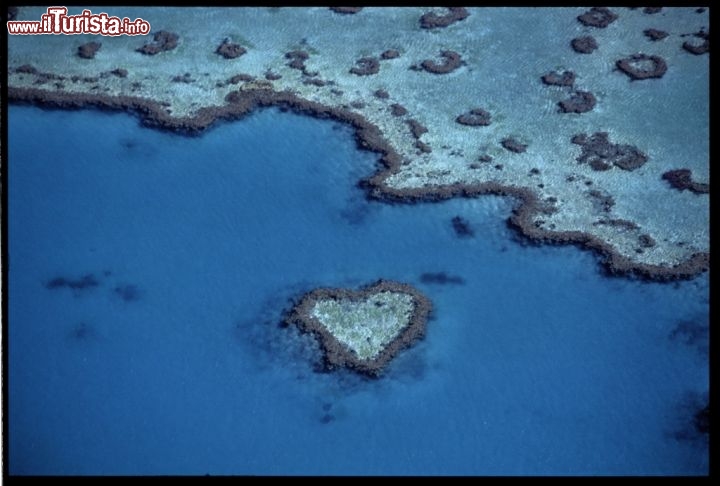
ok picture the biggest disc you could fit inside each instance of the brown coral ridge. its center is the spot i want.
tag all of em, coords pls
(316, 82)
(681, 179)
(579, 102)
(642, 66)
(242, 77)
(432, 20)
(366, 66)
(554, 78)
(44, 77)
(336, 354)
(88, 50)
(477, 117)
(523, 220)
(618, 223)
(162, 41)
(452, 61)
(599, 17)
(584, 45)
(229, 50)
(369, 137)
(601, 154)
(346, 10)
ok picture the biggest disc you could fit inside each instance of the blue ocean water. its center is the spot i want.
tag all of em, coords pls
(148, 272)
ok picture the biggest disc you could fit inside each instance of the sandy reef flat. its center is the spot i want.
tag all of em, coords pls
(454, 110)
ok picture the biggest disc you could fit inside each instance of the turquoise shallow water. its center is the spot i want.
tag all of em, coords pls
(173, 362)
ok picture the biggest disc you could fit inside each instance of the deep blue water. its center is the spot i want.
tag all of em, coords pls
(174, 362)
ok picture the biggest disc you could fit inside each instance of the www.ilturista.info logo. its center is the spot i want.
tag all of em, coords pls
(57, 21)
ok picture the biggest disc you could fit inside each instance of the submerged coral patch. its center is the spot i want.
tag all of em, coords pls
(431, 20)
(162, 41)
(477, 117)
(698, 49)
(584, 45)
(681, 179)
(441, 278)
(655, 34)
(346, 10)
(85, 282)
(365, 66)
(451, 61)
(390, 54)
(599, 17)
(601, 154)
(578, 102)
(462, 227)
(555, 78)
(642, 66)
(230, 50)
(513, 145)
(88, 50)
